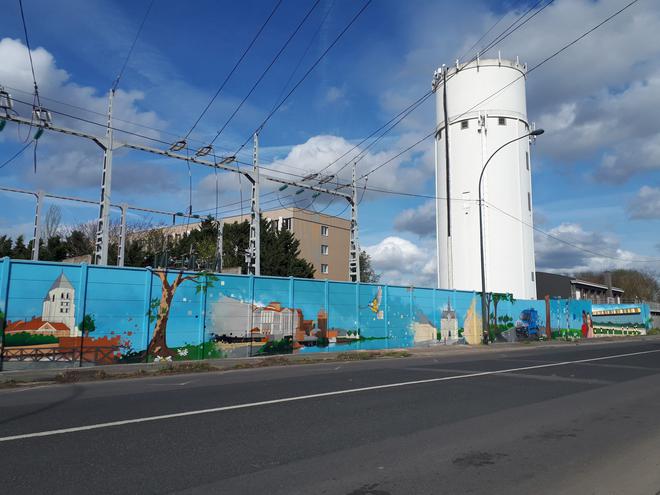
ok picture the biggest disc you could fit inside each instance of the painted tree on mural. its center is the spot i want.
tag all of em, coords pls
(496, 298)
(202, 280)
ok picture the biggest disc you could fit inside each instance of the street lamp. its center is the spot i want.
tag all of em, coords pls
(484, 302)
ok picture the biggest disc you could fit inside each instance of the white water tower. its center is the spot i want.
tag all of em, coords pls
(486, 107)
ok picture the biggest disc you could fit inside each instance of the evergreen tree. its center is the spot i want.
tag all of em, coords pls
(20, 251)
(54, 249)
(5, 246)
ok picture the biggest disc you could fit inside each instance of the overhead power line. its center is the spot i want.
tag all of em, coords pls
(17, 154)
(265, 71)
(236, 65)
(27, 44)
(307, 73)
(529, 71)
(130, 50)
(572, 244)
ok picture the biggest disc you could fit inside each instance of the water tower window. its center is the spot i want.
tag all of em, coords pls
(527, 159)
(529, 201)
(501, 121)
(464, 124)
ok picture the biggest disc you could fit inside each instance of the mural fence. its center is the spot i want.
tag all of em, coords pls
(59, 314)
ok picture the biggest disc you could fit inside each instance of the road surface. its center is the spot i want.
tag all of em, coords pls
(566, 419)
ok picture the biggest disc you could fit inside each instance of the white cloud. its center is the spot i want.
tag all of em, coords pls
(646, 204)
(400, 262)
(334, 94)
(65, 161)
(595, 251)
(420, 220)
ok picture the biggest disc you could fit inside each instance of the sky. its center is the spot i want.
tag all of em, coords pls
(596, 170)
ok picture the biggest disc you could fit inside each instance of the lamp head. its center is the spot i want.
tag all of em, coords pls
(536, 132)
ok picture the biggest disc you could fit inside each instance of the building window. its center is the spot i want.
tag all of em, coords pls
(501, 121)
(527, 159)
(529, 201)
(324, 268)
(324, 230)
(464, 124)
(286, 223)
(532, 276)
(324, 249)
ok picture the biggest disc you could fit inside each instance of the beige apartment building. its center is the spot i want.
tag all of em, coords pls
(324, 239)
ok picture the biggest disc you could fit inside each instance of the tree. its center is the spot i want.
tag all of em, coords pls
(52, 221)
(87, 325)
(280, 253)
(54, 249)
(637, 285)
(78, 244)
(20, 251)
(496, 298)
(235, 238)
(5, 246)
(158, 344)
(367, 273)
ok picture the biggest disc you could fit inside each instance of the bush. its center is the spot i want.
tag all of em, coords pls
(27, 339)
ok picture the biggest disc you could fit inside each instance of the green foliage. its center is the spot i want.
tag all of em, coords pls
(283, 346)
(367, 273)
(5, 246)
(20, 251)
(28, 339)
(88, 324)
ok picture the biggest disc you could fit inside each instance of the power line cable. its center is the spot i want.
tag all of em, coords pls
(307, 73)
(236, 65)
(266, 70)
(544, 61)
(16, 155)
(27, 44)
(130, 50)
(576, 246)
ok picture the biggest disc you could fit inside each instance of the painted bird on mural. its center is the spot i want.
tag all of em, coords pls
(374, 305)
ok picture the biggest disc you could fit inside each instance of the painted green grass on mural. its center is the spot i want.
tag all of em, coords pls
(29, 339)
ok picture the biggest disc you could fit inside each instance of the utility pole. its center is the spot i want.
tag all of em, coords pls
(121, 257)
(36, 236)
(253, 255)
(107, 144)
(218, 247)
(354, 249)
(102, 232)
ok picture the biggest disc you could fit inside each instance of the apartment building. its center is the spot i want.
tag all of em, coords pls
(324, 239)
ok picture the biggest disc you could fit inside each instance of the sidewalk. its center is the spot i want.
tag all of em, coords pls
(117, 371)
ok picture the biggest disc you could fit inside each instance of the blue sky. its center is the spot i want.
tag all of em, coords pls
(596, 171)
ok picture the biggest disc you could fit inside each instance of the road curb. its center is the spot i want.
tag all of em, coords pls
(118, 371)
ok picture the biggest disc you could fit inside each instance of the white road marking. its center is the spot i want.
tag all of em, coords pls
(306, 397)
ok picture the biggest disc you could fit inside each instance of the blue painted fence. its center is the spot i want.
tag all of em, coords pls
(135, 314)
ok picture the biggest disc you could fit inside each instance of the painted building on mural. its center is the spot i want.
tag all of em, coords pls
(58, 315)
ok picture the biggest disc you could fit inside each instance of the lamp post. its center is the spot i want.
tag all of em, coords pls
(484, 302)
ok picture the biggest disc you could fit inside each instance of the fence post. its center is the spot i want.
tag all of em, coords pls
(202, 314)
(251, 313)
(434, 314)
(146, 323)
(357, 307)
(82, 307)
(386, 313)
(293, 312)
(5, 268)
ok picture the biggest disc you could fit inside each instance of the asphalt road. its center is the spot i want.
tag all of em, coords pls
(572, 419)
